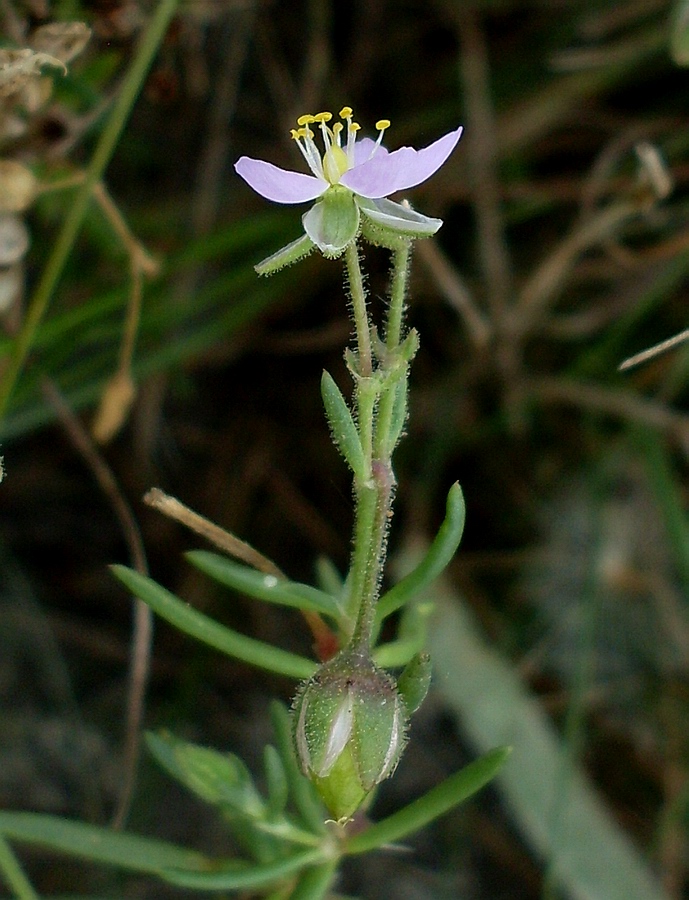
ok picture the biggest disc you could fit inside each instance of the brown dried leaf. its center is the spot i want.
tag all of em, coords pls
(19, 68)
(61, 40)
(115, 404)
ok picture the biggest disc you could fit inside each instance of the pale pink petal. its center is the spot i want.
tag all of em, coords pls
(401, 169)
(279, 185)
(364, 148)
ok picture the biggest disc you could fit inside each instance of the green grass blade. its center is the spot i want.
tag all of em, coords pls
(203, 628)
(595, 858)
(13, 874)
(439, 800)
(255, 584)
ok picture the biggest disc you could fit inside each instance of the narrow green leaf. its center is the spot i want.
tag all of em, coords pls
(344, 431)
(276, 780)
(399, 412)
(205, 629)
(238, 875)
(414, 682)
(439, 800)
(128, 851)
(437, 558)
(261, 586)
(303, 793)
(315, 882)
(218, 778)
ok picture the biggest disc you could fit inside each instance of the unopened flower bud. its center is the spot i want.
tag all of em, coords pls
(350, 729)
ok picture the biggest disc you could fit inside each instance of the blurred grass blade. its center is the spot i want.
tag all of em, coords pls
(437, 558)
(240, 876)
(203, 628)
(594, 859)
(679, 33)
(127, 851)
(256, 584)
(12, 874)
(439, 800)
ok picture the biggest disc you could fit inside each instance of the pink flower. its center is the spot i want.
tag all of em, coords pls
(353, 177)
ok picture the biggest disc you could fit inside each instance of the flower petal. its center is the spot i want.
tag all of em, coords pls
(364, 148)
(279, 185)
(384, 174)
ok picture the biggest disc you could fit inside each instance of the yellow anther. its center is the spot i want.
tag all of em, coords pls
(382, 124)
(337, 127)
(322, 117)
(295, 134)
(346, 112)
(355, 126)
(305, 120)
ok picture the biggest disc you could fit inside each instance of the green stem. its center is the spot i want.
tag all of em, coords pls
(375, 404)
(14, 874)
(398, 294)
(148, 45)
(358, 295)
(393, 338)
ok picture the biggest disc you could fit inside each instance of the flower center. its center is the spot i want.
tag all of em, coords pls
(336, 159)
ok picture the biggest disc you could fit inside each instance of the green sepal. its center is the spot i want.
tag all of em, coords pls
(221, 779)
(350, 729)
(342, 427)
(287, 256)
(341, 789)
(385, 222)
(333, 222)
(414, 682)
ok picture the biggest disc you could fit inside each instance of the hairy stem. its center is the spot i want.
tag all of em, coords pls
(375, 400)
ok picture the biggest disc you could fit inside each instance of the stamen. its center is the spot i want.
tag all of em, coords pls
(323, 117)
(381, 125)
(303, 138)
(337, 131)
(305, 120)
(346, 112)
(352, 128)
